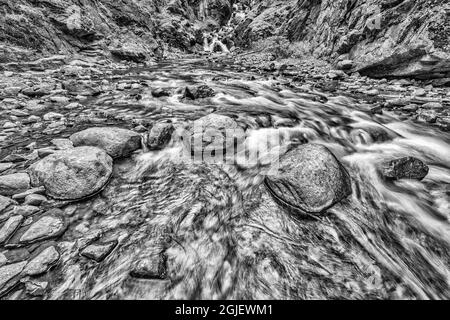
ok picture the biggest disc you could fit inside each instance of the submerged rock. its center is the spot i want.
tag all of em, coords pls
(405, 168)
(160, 135)
(116, 142)
(150, 267)
(11, 184)
(72, 174)
(310, 178)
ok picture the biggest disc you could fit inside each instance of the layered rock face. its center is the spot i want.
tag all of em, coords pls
(130, 29)
(389, 38)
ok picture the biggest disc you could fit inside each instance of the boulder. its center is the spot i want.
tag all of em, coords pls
(198, 92)
(72, 174)
(405, 168)
(11, 184)
(116, 142)
(130, 51)
(160, 135)
(309, 178)
(214, 134)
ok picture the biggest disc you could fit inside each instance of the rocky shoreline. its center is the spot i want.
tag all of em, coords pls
(57, 149)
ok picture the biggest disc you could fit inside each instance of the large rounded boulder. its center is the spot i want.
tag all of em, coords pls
(214, 134)
(310, 178)
(117, 142)
(73, 174)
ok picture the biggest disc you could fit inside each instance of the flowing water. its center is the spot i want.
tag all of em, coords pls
(219, 234)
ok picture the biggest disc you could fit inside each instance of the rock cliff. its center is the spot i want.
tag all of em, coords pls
(388, 38)
(131, 29)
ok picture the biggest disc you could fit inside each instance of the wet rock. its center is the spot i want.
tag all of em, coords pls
(72, 174)
(9, 125)
(337, 75)
(38, 90)
(14, 158)
(426, 115)
(149, 267)
(213, 134)
(36, 288)
(14, 183)
(35, 200)
(42, 262)
(10, 226)
(420, 92)
(376, 110)
(410, 108)
(62, 144)
(3, 259)
(50, 116)
(26, 210)
(5, 202)
(23, 195)
(198, 92)
(46, 227)
(160, 135)
(6, 166)
(161, 92)
(444, 123)
(99, 251)
(116, 142)
(9, 276)
(310, 178)
(44, 152)
(344, 65)
(130, 52)
(433, 106)
(59, 99)
(404, 168)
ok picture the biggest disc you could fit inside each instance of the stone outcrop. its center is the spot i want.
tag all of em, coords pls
(133, 30)
(398, 38)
